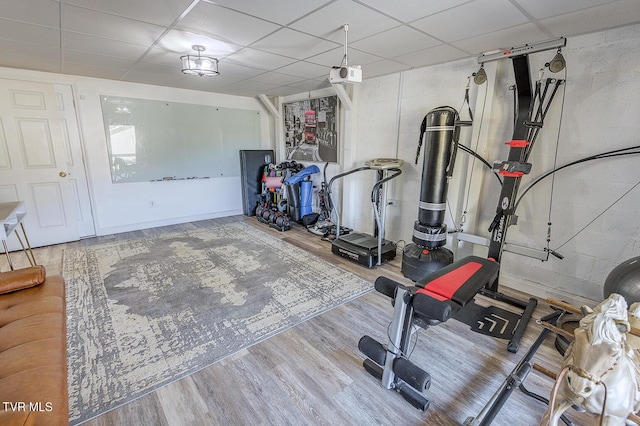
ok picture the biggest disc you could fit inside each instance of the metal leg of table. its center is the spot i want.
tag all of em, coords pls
(29, 253)
(6, 251)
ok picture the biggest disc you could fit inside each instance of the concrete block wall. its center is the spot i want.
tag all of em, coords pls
(596, 111)
(602, 99)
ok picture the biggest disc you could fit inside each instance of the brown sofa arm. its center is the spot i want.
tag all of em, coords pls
(21, 278)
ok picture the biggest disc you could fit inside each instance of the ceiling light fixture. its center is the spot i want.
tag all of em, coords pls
(199, 65)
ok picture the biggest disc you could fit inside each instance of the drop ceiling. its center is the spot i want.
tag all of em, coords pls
(279, 47)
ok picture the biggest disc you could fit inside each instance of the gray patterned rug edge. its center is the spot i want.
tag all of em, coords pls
(144, 313)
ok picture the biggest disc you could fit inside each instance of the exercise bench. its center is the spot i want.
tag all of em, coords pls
(433, 300)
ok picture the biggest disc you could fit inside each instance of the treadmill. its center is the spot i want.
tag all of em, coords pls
(364, 249)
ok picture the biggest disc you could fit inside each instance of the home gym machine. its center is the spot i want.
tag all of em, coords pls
(450, 290)
(441, 126)
(368, 250)
(530, 109)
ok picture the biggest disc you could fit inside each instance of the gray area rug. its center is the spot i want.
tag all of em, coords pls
(145, 312)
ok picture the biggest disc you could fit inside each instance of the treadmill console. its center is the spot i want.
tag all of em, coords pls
(384, 163)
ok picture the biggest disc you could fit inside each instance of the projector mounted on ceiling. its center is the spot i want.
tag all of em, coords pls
(344, 73)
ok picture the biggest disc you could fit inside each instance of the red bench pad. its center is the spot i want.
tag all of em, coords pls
(460, 281)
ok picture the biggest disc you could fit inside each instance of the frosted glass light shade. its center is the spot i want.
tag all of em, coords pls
(199, 65)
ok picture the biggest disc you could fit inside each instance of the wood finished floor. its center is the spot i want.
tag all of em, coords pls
(312, 374)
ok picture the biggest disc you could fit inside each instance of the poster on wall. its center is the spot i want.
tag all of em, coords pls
(311, 129)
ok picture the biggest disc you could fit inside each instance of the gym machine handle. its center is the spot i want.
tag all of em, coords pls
(386, 286)
(428, 307)
(376, 187)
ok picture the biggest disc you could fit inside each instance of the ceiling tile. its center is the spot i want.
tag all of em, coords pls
(225, 25)
(102, 46)
(283, 91)
(93, 71)
(472, 19)
(162, 57)
(328, 22)
(259, 59)
(259, 86)
(174, 72)
(133, 40)
(182, 42)
(142, 78)
(161, 13)
(11, 48)
(294, 44)
(383, 67)
(208, 84)
(38, 12)
(277, 78)
(76, 57)
(335, 57)
(594, 19)
(230, 69)
(515, 36)
(236, 91)
(109, 26)
(305, 70)
(541, 9)
(309, 85)
(431, 56)
(396, 41)
(28, 33)
(32, 63)
(410, 10)
(251, 87)
(135, 76)
(278, 11)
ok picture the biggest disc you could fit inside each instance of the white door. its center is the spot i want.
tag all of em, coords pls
(76, 172)
(33, 162)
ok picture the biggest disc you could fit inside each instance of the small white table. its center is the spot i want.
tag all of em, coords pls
(11, 215)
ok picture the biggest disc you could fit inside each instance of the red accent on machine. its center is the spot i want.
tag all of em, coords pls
(518, 143)
(447, 284)
(510, 174)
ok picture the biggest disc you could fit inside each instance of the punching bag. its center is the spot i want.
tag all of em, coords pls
(426, 254)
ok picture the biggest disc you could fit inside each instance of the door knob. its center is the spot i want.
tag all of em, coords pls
(62, 174)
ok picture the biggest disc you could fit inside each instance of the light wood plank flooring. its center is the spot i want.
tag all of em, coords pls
(312, 374)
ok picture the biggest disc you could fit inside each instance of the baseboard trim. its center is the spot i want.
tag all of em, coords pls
(165, 222)
(542, 292)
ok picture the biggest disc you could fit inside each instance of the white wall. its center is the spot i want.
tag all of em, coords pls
(127, 206)
(601, 110)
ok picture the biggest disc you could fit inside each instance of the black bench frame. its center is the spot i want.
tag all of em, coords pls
(433, 300)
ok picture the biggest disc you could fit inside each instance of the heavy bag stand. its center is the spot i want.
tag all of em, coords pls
(427, 254)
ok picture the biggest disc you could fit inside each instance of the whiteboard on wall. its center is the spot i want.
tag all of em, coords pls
(150, 140)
